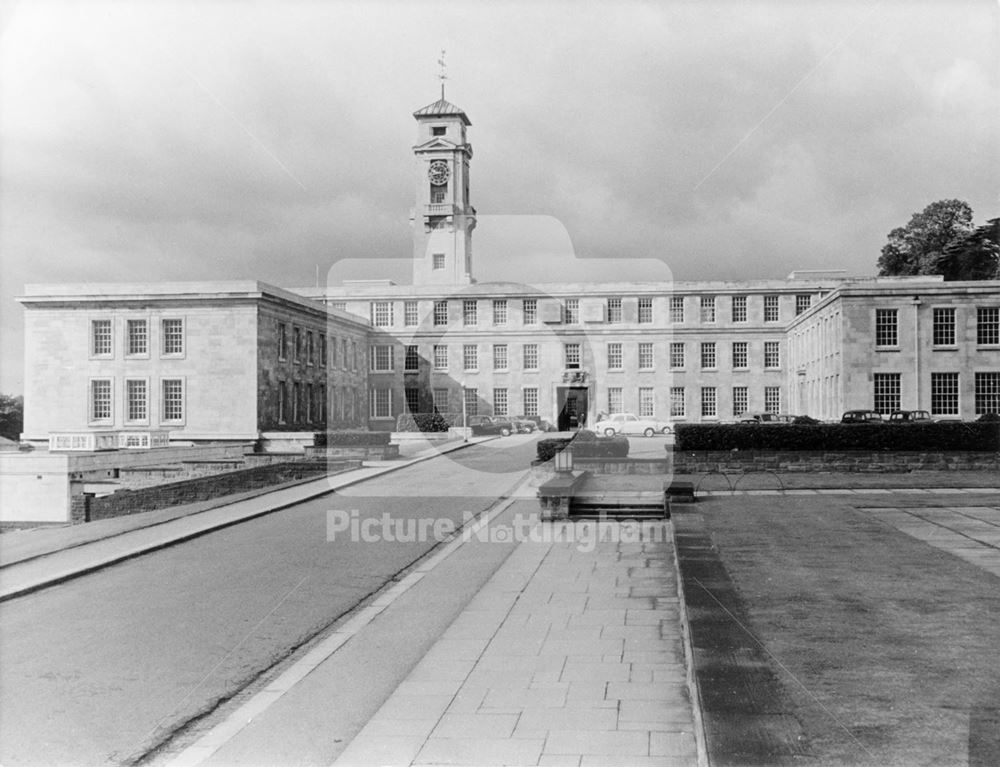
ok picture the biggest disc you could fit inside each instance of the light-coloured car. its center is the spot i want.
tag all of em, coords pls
(629, 423)
(767, 419)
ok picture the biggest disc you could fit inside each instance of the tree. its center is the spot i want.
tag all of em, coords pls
(976, 256)
(919, 247)
(11, 416)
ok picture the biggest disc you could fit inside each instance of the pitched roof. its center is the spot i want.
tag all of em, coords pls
(442, 108)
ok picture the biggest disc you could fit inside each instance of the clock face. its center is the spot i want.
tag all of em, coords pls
(438, 173)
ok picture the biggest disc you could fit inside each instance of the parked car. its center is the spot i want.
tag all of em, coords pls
(523, 425)
(767, 419)
(910, 416)
(862, 416)
(628, 423)
(484, 425)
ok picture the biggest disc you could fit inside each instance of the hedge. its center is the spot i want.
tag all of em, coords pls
(422, 422)
(351, 438)
(585, 444)
(980, 437)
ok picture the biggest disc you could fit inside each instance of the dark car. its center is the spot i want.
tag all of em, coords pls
(910, 416)
(485, 425)
(862, 416)
(523, 425)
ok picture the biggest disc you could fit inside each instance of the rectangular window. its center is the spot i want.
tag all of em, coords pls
(282, 401)
(471, 402)
(677, 309)
(340, 306)
(614, 310)
(172, 334)
(136, 400)
(441, 357)
(571, 355)
(645, 356)
(322, 350)
(381, 403)
(440, 313)
(571, 311)
(645, 311)
(677, 402)
(411, 314)
(614, 356)
(412, 399)
(530, 307)
(886, 328)
(740, 356)
(708, 355)
(530, 396)
(987, 393)
(307, 401)
(381, 358)
(740, 400)
(296, 402)
(708, 309)
(438, 258)
(470, 312)
(282, 341)
(739, 308)
(944, 327)
(802, 302)
(470, 357)
(441, 400)
(500, 311)
(708, 407)
(944, 393)
(988, 325)
(310, 356)
(382, 314)
(615, 399)
(100, 338)
(296, 343)
(646, 402)
(886, 392)
(334, 343)
(676, 354)
(138, 336)
(499, 356)
(100, 399)
(172, 399)
(499, 402)
(771, 313)
(530, 354)
(772, 399)
(772, 355)
(411, 362)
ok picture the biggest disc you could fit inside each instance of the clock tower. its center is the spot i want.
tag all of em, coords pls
(443, 218)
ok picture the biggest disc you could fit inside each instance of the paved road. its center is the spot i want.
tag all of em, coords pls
(105, 667)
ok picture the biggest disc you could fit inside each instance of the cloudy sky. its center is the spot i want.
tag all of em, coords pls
(271, 140)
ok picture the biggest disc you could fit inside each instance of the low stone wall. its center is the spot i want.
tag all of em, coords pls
(356, 452)
(623, 465)
(87, 508)
(839, 460)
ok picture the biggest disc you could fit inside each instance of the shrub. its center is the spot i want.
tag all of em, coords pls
(423, 422)
(825, 436)
(585, 444)
(351, 438)
(547, 448)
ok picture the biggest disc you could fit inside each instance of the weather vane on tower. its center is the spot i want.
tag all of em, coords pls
(441, 75)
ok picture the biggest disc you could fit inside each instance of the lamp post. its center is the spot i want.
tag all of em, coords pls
(465, 424)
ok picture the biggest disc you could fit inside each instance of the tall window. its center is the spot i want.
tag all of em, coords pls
(172, 334)
(138, 336)
(322, 350)
(740, 400)
(282, 341)
(100, 399)
(614, 310)
(987, 392)
(136, 400)
(708, 406)
(645, 310)
(380, 403)
(296, 343)
(470, 312)
(708, 355)
(739, 308)
(310, 356)
(470, 357)
(944, 326)
(614, 356)
(499, 402)
(677, 402)
(471, 401)
(382, 314)
(500, 311)
(571, 355)
(411, 313)
(499, 356)
(530, 355)
(530, 396)
(437, 259)
(381, 358)
(944, 393)
(614, 399)
(771, 313)
(886, 328)
(100, 338)
(440, 357)
(988, 325)
(412, 399)
(887, 392)
(411, 362)
(282, 401)
(772, 355)
(646, 402)
(802, 302)
(440, 313)
(172, 399)
(676, 309)
(740, 355)
(571, 311)
(676, 354)
(441, 400)
(530, 308)
(772, 399)
(708, 308)
(645, 356)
